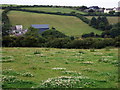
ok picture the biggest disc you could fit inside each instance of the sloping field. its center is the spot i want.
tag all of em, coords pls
(67, 24)
(112, 20)
(47, 9)
(75, 68)
(6, 5)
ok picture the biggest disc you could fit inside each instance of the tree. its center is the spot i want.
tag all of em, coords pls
(112, 12)
(105, 20)
(82, 8)
(5, 23)
(58, 43)
(102, 23)
(73, 13)
(33, 38)
(115, 31)
(93, 22)
(32, 32)
(91, 11)
(53, 34)
(101, 26)
(117, 41)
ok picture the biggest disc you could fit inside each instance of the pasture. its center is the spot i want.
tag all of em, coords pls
(112, 20)
(64, 68)
(53, 9)
(69, 25)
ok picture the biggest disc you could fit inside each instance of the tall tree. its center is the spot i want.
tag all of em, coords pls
(93, 22)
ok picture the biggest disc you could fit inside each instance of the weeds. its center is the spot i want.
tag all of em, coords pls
(73, 73)
(68, 82)
(37, 52)
(7, 59)
(81, 52)
(27, 74)
(58, 68)
(92, 50)
(107, 49)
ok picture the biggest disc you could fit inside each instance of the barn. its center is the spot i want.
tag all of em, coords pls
(41, 27)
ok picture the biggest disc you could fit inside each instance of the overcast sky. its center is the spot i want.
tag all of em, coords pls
(100, 3)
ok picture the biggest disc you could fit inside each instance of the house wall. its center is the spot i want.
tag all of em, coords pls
(19, 27)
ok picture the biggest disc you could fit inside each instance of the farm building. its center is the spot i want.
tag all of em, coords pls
(18, 30)
(41, 27)
(94, 7)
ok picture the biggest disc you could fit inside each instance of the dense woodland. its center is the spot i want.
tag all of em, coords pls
(54, 38)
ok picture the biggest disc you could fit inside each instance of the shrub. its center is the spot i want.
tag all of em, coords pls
(92, 50)
(81, 52)
(107, 49)
(37, 52)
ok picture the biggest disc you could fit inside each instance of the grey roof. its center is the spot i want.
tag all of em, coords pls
(95, 7)
(40, 25)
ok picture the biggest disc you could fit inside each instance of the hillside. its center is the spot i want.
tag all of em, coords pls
(67, 24)
(112, 20)
(48, 9)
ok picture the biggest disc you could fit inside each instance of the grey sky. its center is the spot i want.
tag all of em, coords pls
(100, 3)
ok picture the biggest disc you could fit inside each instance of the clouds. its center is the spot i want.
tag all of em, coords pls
(101, 3)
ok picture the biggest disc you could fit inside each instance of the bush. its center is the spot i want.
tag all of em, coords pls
(58, 43)
(37, 52)
(53, 34)
(92, 50)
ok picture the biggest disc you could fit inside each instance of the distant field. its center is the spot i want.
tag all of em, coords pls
(6, 5)
(47, 9)
(112, 20)
(67, 24)
(24, 68)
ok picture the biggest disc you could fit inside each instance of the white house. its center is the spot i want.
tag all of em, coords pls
(107, 10)
(18, 30)
(19, 27)
(116, 9)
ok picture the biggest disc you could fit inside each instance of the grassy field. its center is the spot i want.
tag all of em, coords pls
(48, 9)
(48, 67)
(6, 5)
(67, 24)
(112, 20)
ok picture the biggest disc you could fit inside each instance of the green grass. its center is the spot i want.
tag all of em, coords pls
(67, 24)
(30, 68)
(48, 9)
(112, 20)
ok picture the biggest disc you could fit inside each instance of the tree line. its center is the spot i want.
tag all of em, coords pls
(55, 39)
(100, 23)
(5, 23)
(79, 8)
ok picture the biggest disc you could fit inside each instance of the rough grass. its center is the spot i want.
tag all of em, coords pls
(67, 24)
(112, 20)
(48, 9)
(35, 69)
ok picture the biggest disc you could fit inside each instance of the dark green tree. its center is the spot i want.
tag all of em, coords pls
(53, 34)
(93, 22)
